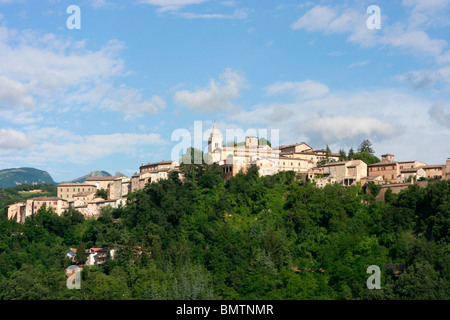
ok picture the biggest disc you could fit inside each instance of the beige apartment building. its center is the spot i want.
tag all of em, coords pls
(152, 172)
(20, 211)
(447, 170)
(295, 164)
(68, 191)
(237, 158)
(435, 171)
(388, 168)
(345, 173)
(305, 152)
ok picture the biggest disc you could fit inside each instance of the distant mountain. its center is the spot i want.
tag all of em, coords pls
(18, 176)
(119, 174)
(90, 174)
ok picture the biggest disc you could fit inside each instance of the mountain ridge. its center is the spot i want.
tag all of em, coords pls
(17, 176)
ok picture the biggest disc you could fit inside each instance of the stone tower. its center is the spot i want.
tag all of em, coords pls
(215, 140)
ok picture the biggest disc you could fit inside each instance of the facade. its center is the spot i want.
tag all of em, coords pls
(345, 173)
(116, 187)
(295, 164)
(152, 172)
(67, 191)
(17, 212)
(415, 173)
(388, 168)
(307, 153)
(20, 211)
(241, 157)
(436, 171)
(410, 164)
(97, 256)
(447, 169)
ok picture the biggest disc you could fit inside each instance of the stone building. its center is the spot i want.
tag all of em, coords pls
(236, 158)
(388, 168)
(306, 153)
(152, 172)
(345, 173)
(435, 171)
(68, 191)
(447, 169)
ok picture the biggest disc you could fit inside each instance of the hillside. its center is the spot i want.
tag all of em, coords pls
(247, 238)
(23, 192)
(18, 176)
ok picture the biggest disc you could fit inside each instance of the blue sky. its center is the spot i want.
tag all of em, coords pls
(110, 95)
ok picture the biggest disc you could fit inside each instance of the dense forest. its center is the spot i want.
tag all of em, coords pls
(249, 237)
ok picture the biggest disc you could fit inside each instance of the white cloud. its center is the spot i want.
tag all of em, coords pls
(318, 18)
(218, 96)
(169, 5)
(416, 41)
(237, 14)
(421, 79)
(340, 128)
(14, 94)
(13, 140)
(55, 145)
(46, 71)
(359, 64)
(438, 114)
(406, 36)
(307, 89)
(428, 13)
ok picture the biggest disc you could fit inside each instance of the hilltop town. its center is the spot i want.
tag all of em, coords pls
(316, 165)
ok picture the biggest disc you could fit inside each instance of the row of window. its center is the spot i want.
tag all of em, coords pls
(381, 168)
(154, 169)
(74, 190)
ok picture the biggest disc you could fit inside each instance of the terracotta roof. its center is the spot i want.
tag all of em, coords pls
(75, 185)
(47, 199)
(434, 166)
(101, 178)
(382, 163)
(82, 194)
(157, 163)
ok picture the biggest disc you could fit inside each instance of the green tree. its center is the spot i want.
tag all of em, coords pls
(351, 154)
(195, 156)
(342, 155)
(366, 146)
(264, 142)
(101, 193)
(81, 255)
(366, 157)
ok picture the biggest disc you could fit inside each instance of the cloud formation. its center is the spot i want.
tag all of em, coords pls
(218, 96)
(46, 71)
(307, 89)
